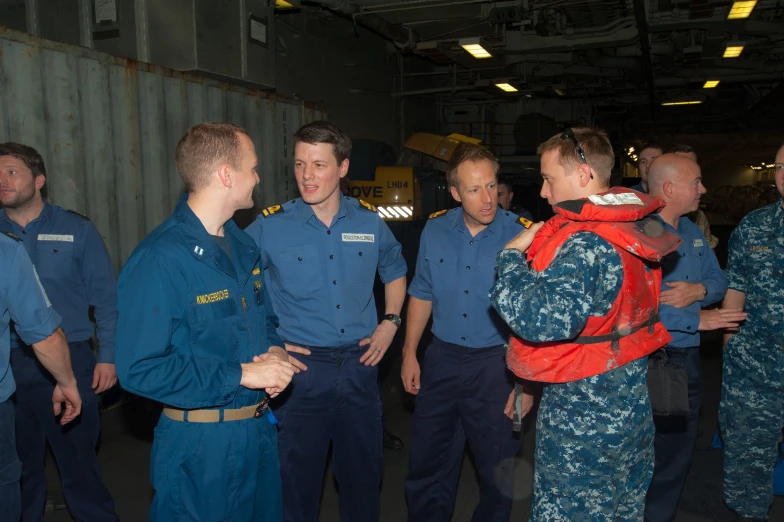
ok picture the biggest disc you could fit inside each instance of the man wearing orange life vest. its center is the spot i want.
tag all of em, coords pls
(584, 304)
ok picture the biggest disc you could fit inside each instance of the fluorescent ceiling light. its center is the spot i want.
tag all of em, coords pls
(282, 4)
(733, 49)
(474, 47)
(505, 87)
(741, 10)
(560, 92)
(689, 102)
(710, 84)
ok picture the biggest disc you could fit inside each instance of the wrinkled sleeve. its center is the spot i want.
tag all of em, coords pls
(273, 339)
(28, 305)
(152, 297)
(391, 265)
(736, 261)
(101, 283)
(713, 277)
(421, 285)
(553, 305)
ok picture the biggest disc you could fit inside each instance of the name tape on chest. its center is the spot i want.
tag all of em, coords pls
(759, 248)
(213, 297)
(55, 237)
(626, 198)
(359, 238)
(697, 242)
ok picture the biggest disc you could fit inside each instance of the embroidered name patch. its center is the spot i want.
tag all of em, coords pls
(55, 237)
(627, 198)
(359, 238)
(760, 249)
(697, 242)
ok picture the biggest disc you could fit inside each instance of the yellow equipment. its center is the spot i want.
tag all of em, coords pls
(416, 186)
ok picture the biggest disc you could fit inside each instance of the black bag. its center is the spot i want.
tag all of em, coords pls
(668, 386)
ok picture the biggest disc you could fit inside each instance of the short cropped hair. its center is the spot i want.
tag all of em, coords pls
(596, 146)
(683, 148)
(27, 155)
(203, 148)
(652, 145)
(467, 152)
(325, 132)
(508, 184)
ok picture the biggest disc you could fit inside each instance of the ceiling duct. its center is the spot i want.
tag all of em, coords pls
(403, 38)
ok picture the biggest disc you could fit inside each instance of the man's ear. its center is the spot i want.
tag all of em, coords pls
(225, 173)
(455, 194)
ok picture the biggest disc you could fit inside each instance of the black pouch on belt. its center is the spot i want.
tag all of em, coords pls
(668, 386)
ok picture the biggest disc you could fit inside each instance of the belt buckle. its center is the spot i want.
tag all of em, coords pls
(262, 408)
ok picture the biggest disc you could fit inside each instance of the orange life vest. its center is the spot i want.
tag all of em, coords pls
(631, 329)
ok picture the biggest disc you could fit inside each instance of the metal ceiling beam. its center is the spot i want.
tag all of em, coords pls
(403, 38)
(642, 29)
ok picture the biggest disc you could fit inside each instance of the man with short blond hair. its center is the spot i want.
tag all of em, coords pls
(581, 295)
(464, 390)
(196, 332)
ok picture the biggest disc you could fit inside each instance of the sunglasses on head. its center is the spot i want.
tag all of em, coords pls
(569, 134)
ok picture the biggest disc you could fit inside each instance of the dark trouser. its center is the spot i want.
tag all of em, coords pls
(73, 445)
(463, 394)
(674, 443)
(10, 467)
(336, 400)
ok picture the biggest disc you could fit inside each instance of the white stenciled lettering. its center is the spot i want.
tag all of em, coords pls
(626, 198)
(55, 237)
(359, 238)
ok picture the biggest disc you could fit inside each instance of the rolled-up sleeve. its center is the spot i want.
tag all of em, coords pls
(421, 285)
(391, 265)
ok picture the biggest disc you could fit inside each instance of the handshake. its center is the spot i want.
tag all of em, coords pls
(271, 371)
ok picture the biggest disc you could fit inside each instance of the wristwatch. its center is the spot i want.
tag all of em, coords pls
(394, 318)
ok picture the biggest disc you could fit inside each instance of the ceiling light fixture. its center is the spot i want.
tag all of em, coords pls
(733, 49)
(474, 47)
(505, 87)
(560, 92)
(687, 102)
(710, 84)
(741, 9)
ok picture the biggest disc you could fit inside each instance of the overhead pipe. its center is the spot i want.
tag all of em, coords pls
(647, 64)
(403, 38)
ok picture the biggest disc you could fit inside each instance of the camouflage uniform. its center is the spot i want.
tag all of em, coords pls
(751, 412)
(594, 436)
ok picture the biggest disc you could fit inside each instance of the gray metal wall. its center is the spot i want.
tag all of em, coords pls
(107, 128)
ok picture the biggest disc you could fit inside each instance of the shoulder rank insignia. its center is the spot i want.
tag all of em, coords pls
(75, 213)
(436, 214)
(274, 209)
(12, 236)
(524, 222)
(368, 206)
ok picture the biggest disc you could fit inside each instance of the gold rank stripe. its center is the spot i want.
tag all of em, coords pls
(213, 297)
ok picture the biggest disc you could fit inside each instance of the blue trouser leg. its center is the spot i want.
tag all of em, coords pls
(215, 471)
(10, 467)
(463, 395)
(674, 444)
(336, 399)
(73, 445)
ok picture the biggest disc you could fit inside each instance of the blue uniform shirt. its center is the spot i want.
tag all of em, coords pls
(321, 278)
(76, 270)
(693, 262)
(638, 188)
(23, 301)
(188, 317)
(756, 268)
(456, 271)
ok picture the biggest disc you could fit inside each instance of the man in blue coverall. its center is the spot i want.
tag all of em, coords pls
(751, 412)
(194, 314)
(691, 280)
(77, 273)
(24, 301)
(321, 253)
(464, 391)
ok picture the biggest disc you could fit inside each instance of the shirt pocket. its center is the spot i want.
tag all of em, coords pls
(360, 261)
(300, 266)
(215, 329)
(54, 259)
(487, 275)
(443, 269)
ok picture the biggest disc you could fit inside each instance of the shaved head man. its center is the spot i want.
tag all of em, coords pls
(691, 280)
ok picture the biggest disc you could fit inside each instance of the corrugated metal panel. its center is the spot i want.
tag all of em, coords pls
(107, 128)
